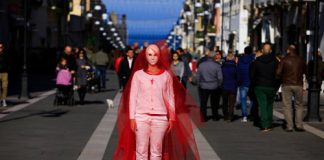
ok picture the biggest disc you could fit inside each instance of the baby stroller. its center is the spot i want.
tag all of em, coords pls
(93, 79)
(64, 92)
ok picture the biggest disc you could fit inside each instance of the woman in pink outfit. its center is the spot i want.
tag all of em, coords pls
(149, 115)
(153, 120)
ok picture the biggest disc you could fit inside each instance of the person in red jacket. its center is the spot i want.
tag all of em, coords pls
(117, 63)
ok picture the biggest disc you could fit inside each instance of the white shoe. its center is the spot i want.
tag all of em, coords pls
(4, 104)
(244, 119)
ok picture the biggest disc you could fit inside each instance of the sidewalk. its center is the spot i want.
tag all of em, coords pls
(317, 125)
(37, 85)
(237, 140)
(43, 131)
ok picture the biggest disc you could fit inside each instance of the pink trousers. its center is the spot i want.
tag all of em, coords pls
(150, 132)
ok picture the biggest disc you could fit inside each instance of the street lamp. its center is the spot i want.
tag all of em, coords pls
(24, 94)
(97, 22)
(251, 20)
(182, 20)
(104, 16)
(314, 90)
(53, 7)
(198, 4)
(97, 7)
(206, 19)
(187, 10)
(89, 15)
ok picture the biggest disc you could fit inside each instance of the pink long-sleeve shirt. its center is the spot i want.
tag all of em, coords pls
(151, 94)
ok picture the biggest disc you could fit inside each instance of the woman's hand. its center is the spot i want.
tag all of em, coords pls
(170, 125)
(133, 125)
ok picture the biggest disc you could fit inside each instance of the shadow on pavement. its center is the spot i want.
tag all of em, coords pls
(51, 113)
(87, 102)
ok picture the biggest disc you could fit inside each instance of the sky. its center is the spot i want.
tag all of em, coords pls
(147, 20)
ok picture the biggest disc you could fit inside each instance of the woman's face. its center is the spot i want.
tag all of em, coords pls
(81, 55)
(175, 57)
(152, 56)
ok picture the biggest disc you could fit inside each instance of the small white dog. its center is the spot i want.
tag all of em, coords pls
(110, 103)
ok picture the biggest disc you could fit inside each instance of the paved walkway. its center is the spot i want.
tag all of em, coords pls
(40, 131)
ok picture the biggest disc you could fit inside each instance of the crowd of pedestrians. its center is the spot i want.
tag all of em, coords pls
(248, 82)
(253, 77)
(77, 72)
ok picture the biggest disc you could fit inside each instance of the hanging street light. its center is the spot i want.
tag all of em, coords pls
(97, 7)
(97, 22)
(104, 16)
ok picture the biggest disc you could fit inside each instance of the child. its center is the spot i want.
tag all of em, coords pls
(63, 78)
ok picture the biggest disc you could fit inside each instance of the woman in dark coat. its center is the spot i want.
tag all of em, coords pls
(81, 75)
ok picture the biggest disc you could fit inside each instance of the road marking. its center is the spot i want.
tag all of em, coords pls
(206, 152)
(307, 127)
(97, 144)
(28, 103)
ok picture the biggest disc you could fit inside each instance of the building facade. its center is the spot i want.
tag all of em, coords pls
(284, 22)
(234, 26)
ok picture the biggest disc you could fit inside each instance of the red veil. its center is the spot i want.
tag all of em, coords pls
(179, 143)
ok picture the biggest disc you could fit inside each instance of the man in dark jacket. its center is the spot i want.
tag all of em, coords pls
(186, 59)
(229, 86)
(70, 59)
(204, 57)
(3, 75)
(266, 85)
(290, 71)
(243, 68)
(209, 79)
(126, 66)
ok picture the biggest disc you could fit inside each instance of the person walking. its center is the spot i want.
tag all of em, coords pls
(126, 66)
(229, 71)
(254, 112)
(186, 59)
(263, 74)
(204, 57)
(243, 68)
(219, 57)
(81, 75)
(290, 71)
(117, 63)
(209, 79)
(3, 75)
(101, 61)
(70, 58)
(177, 66)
